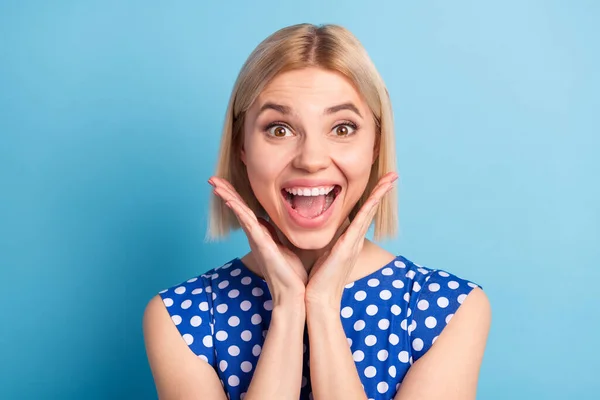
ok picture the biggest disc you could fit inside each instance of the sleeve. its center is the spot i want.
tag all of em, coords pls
(190, 306)
(439, 298)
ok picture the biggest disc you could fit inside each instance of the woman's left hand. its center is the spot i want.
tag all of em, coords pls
(330, 272)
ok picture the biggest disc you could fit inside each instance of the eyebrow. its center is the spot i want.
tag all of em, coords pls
(331, 110)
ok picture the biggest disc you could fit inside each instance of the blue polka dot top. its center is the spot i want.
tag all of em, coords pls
(391, 317)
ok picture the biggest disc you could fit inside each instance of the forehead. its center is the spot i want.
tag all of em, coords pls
(314, 87)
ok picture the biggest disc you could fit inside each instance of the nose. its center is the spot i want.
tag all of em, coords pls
(312, 154)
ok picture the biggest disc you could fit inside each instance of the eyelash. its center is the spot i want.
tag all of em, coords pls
(280, 123)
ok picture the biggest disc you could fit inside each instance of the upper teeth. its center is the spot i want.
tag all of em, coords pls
(316, 191)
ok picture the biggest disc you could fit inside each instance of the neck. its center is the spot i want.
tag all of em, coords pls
(309, 257)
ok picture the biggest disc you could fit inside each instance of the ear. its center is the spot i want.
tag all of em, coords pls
(243, 155)
(376, 148)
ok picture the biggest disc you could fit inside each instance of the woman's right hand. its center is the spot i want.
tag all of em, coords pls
(281, 268)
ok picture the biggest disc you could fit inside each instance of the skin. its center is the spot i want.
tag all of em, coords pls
(306, 269)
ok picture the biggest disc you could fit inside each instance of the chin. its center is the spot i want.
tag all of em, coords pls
(310, 240)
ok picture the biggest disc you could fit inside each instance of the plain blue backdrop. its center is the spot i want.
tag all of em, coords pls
(110, 117)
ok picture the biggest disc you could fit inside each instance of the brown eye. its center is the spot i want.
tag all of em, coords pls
(344, 130)
(278, 131)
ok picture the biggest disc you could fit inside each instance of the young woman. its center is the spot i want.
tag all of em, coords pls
(315, 310)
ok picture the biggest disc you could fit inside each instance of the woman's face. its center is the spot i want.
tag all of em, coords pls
(309, 142)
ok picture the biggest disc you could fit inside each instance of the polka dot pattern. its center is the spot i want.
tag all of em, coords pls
(391, 317)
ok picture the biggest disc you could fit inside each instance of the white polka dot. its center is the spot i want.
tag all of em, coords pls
(370, 372)
(394, 339)
(233, 380)
(359, 325)
(233, 350)
(246, 336)
(358, 356)
(417, 344)
(207, 341)
(471, 284)
(221, 336)
(246, 366)
(222, 308)
(423, 305)
(410, 274)
(245, 305)
(412, 326)
(434, 339)
(214, 297)
(370, 340)
(208, 289)
(373, 282)
(434, 287)
(449, 317)
(383, 324)
(443, 302)
(350, 285)
(203, 357)
(382, 355)
(430, 322)
(214, 276)
(236, 272)
(233, 293)
(387, 271)
(396, 310)
(176, 319)
(256, 350)
(233, 321)
(403, 356)
(203, 306)
(180, 290)
(349, 341)
(360, 295)
(443, 273)
(268, 305)
(197, 291)
(392, 371)
(168, 302)
(398, 284)
(453, 285)
(257, 292)
(304, 381)
(347, 312)
(186, 304)
(408, 312)
(382, 387)
(223, 285)
(195, 321)
(416, 287)
(461, 298)
(163, 291)
(385, 294)
(225, 266)
(422, 270)
(256, 319)
(404, 324)
(406, 297)
(189, 339)
(372, 310)
(399, 264)
(223, 365)
(246, 280)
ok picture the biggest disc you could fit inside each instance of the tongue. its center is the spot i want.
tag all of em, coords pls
(308, 206)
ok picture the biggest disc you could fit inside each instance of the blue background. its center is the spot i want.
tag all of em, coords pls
(110, 116)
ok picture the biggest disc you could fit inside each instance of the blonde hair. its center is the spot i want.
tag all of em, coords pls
(331, 47)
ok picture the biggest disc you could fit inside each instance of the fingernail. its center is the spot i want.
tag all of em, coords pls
(210, 181)
(228, 204)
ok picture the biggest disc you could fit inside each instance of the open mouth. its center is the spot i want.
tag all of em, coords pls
(311, 202)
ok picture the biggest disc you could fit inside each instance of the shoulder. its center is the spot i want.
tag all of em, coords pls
(437, 296)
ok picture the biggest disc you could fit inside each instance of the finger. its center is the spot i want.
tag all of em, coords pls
(226, 188)
(360, 225)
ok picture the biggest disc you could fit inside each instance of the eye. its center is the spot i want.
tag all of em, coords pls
(278, 130)
(345, 129)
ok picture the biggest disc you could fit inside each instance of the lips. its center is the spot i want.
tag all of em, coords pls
(310, 211)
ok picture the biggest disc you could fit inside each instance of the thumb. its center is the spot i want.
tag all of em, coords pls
(270, 229)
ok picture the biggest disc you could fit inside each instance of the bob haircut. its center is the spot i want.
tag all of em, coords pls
(330, 47)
